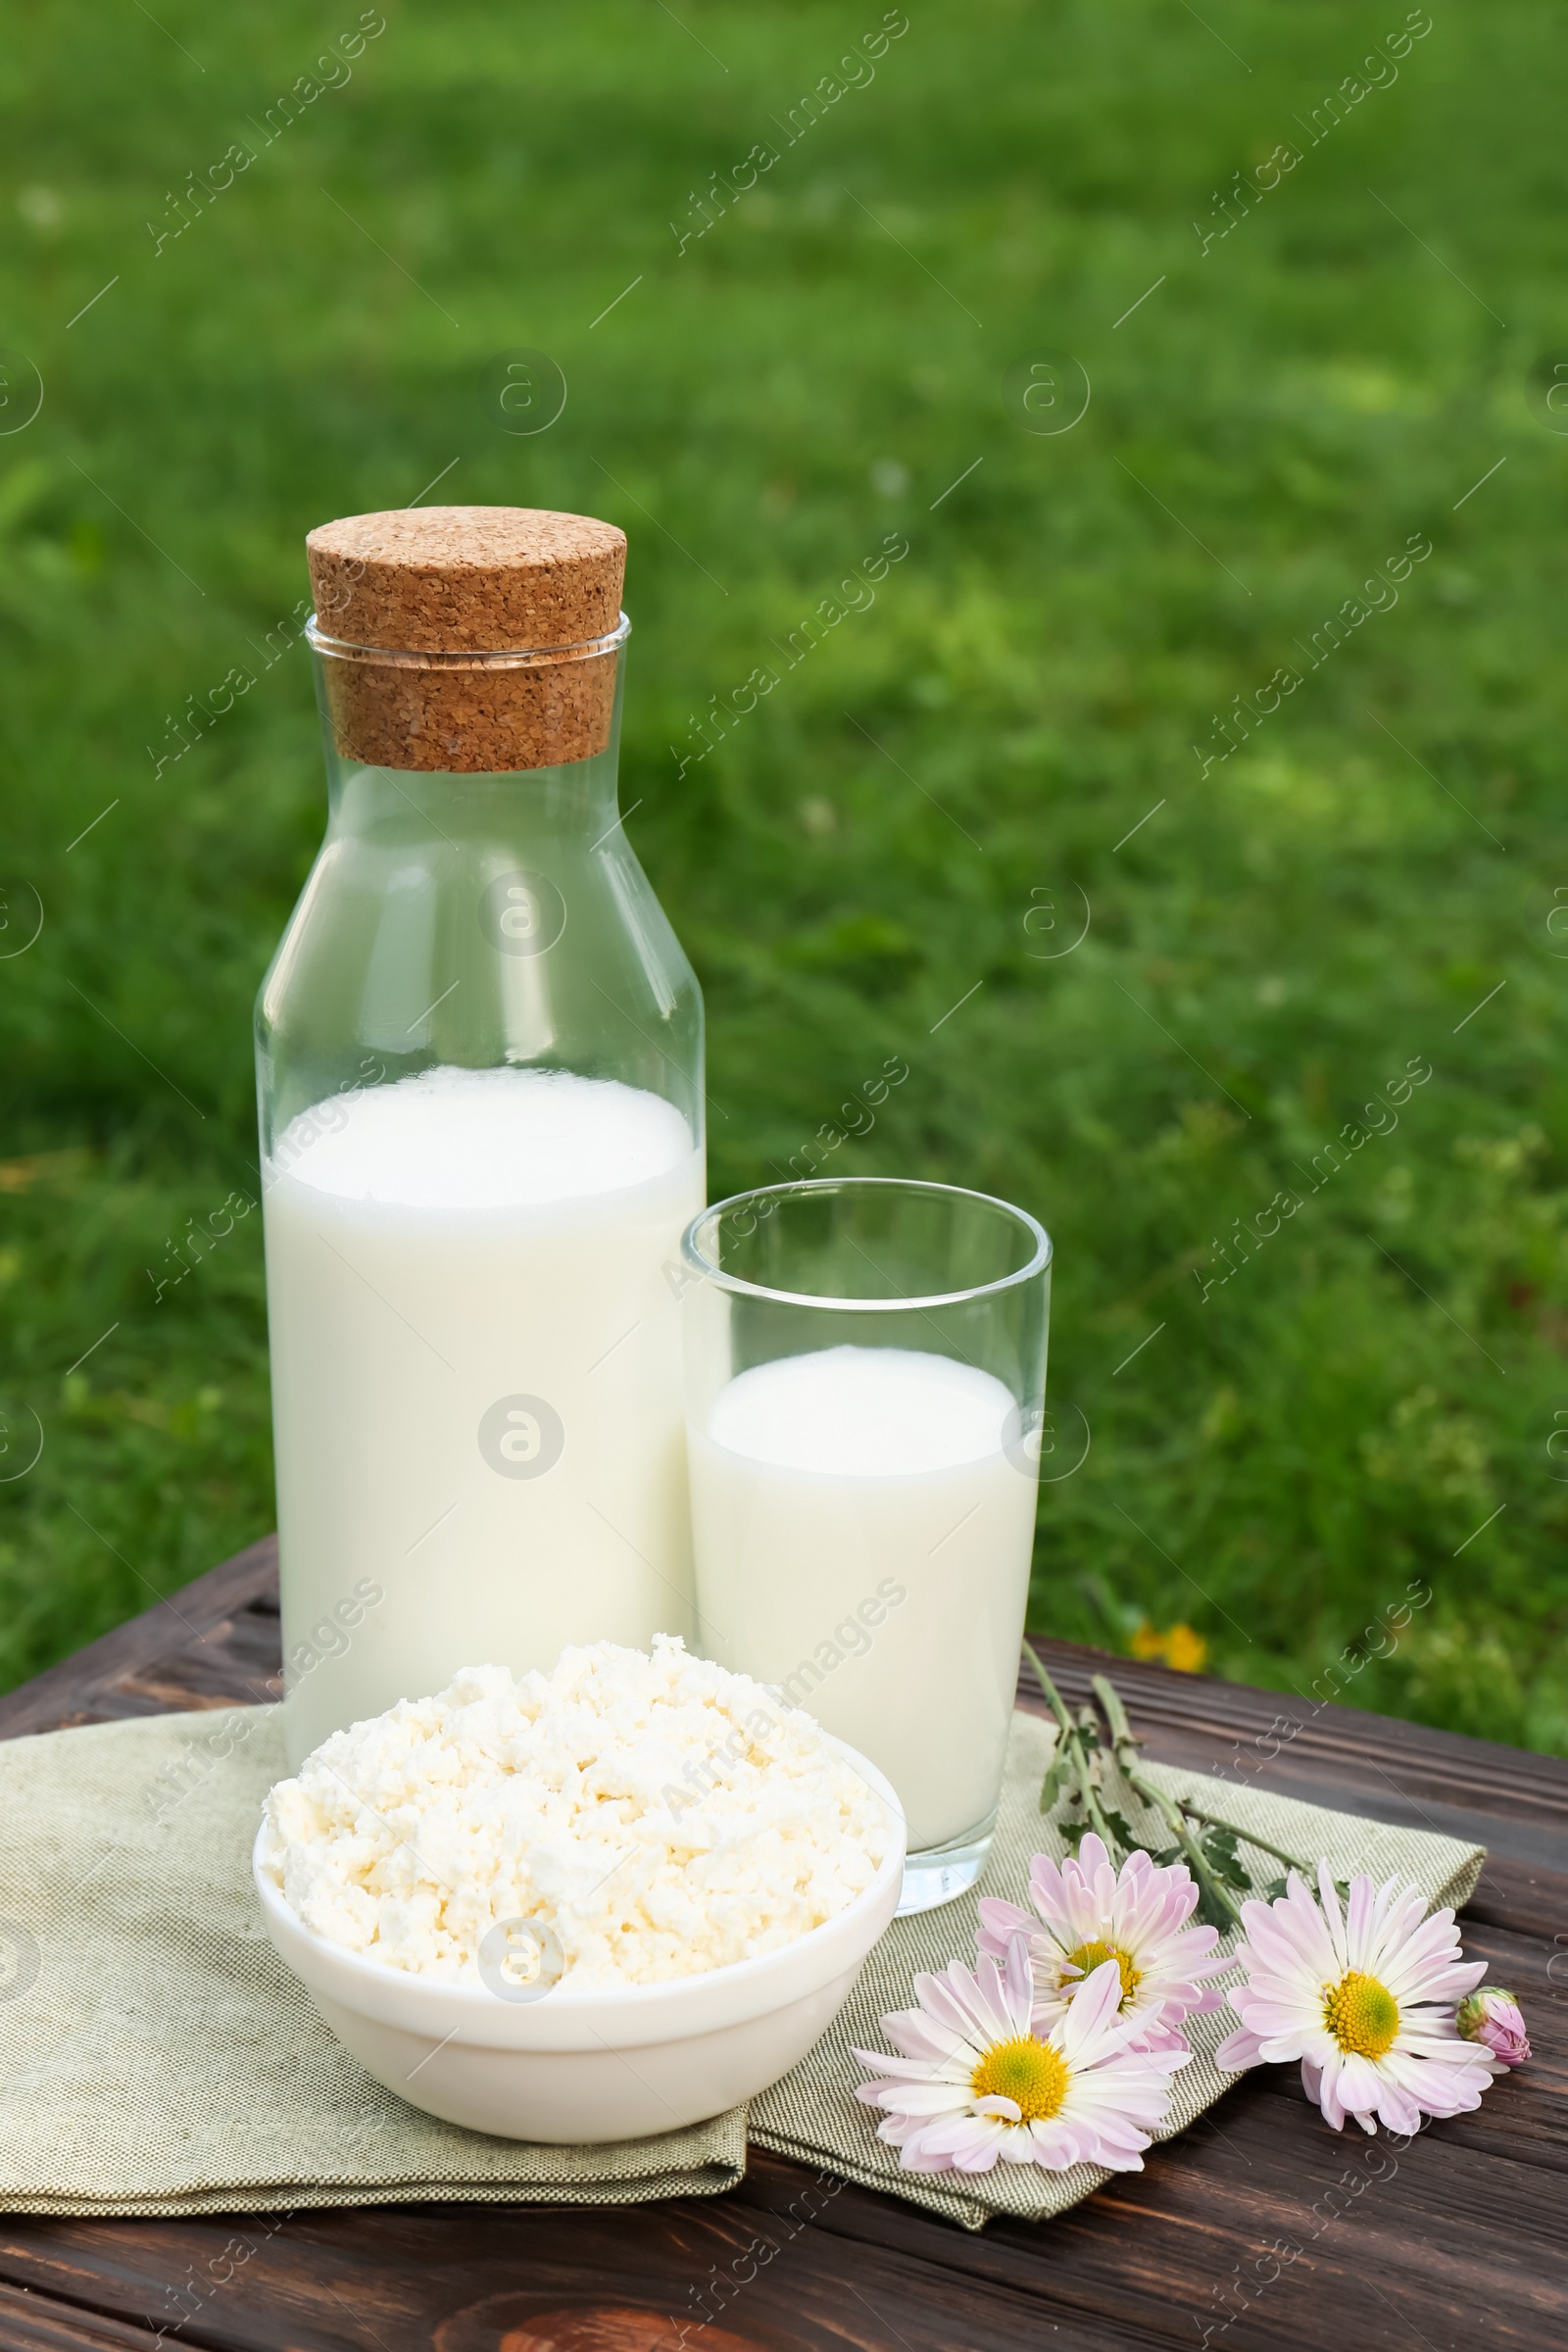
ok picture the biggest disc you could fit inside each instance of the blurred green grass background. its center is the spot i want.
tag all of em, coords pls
(921, 815)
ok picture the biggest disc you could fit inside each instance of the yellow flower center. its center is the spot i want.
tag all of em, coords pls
(1361, 2014)
(1027, 2071)
(1090, 1956)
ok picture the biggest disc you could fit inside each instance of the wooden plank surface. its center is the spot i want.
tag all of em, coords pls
(1259, 2227)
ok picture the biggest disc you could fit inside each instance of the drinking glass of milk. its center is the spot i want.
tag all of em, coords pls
(866, 1368)
(479, 1061)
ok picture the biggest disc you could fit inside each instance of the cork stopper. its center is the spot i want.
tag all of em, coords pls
(505, 604)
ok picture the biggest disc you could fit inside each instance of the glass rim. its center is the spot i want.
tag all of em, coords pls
(1039, 1261)
(342, 649)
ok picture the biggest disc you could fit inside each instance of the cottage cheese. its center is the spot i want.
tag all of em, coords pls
(662, 1816)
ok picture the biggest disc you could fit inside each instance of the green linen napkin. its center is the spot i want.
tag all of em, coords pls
(813, 2114)
(156, 2056)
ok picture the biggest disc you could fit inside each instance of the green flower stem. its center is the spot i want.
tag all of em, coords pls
(1122, 1734)
(1073, 1749)
(1059, 1704)
(1126, 1752)
(1248, 1837)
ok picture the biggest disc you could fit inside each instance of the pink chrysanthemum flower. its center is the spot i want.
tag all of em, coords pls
(1365, 2000)
(1493, 2021)
(974, 2083)
(1137, 1916)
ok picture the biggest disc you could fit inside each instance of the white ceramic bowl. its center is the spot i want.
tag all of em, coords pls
(598, 2065)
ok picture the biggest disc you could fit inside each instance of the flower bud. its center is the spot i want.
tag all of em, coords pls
(1493, 2018)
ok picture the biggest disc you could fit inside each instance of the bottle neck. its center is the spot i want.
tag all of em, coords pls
(576, 803)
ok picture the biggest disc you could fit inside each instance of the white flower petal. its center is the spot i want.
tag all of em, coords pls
(922, 2099)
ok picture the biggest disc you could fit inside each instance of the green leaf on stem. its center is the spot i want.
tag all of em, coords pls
(1056, 1781)
(1212, 1910)
(1121, 1829)
(1219, 1852)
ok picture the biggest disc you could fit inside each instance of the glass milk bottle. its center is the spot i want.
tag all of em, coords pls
(480, 1072)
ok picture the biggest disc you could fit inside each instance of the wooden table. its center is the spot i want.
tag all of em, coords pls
(1258, 2226)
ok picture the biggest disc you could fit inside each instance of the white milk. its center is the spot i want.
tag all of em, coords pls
(476, 1378)
(863, 1540)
